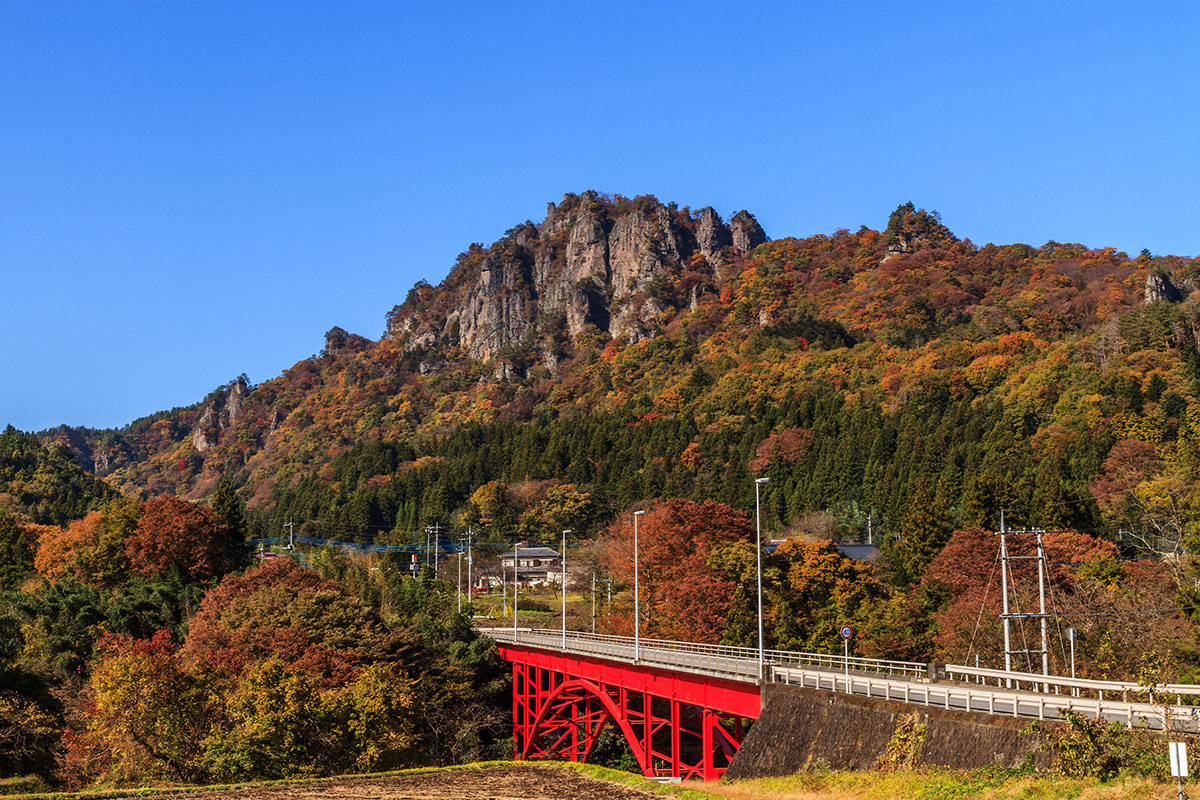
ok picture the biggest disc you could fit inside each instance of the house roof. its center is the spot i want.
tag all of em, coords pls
(860, 552)
(532, 552)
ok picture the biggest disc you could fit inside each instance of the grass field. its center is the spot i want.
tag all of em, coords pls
(546, 781)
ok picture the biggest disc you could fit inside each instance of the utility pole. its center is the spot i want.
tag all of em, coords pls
(1041, 556)
(564, 587)
(1004, 589)
(291, 526)
(1005, 574)
(758, 482)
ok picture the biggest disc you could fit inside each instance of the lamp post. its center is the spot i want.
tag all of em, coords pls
(637, 619)
(1071, 639)
(758, 482)
(564, 587)
(516, 571)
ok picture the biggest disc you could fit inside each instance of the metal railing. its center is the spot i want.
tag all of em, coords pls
(976, 689)
(1075, 687)
(998, 700)
(739, 663)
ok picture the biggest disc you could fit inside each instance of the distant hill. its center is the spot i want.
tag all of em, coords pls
(45, 485)
(626, 349)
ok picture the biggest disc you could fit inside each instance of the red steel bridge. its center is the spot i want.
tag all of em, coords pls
(683, 707)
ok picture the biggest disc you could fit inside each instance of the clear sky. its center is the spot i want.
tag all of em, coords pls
(192, 190)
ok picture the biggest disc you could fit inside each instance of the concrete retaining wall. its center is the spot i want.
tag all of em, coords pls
(801, 726)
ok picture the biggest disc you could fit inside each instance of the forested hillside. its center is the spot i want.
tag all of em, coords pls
(858, 370)
(622, 354)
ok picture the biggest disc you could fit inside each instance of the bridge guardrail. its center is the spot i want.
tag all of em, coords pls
(1019, 694)
(996, 700)
(1075, 687)
(737, 662)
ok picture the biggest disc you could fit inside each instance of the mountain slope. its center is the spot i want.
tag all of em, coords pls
(633, 349)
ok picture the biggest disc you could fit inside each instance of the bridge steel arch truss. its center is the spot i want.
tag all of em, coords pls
(678, 724)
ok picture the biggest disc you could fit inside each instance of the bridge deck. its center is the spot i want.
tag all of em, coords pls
(952, 687)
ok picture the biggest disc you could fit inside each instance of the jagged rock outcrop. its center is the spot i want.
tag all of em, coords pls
(221, 410)
(1160, 288)
(911, 229)
(713, 236)
(613, 263)
(747, 234)
(339, 342)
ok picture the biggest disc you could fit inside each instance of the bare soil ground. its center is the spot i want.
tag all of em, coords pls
(508, 782)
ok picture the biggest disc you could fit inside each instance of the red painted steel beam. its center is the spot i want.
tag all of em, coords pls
(707, 691)
(561, 703)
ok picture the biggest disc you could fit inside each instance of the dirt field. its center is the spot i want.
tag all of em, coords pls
(509, 782)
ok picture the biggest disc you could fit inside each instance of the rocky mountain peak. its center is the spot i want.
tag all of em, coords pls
(911, 229)
(609, 262)
(747, 234)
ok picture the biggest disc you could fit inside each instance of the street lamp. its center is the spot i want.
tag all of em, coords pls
(564, 586)
(516, 571)
(637, 620)
(758, 482)
(1071, 639)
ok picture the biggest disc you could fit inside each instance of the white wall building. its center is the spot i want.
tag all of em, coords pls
(536, 566)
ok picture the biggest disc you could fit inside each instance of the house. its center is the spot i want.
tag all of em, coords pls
(855, 551)
(536, 566)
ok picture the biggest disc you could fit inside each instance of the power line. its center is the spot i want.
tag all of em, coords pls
(1133, 613)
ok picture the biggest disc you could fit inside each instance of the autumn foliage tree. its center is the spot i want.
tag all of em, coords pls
(810, 590)
(90, 550)
(1088, 586)
(151, 713)
(682, 596)
(175, 535)
(279, 610)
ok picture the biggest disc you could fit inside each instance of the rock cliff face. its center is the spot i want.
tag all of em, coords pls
(1159, 288)
(613, 263)
(220, 411)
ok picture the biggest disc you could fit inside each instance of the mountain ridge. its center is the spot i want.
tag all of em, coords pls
(636, 312)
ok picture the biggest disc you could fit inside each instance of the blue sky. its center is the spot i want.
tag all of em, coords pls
(189, 191)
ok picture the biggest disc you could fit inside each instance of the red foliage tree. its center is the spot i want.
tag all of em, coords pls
(174, 534)
(1127, 462)
(682, 596)
(786, 447)
(968, 572)
(281, 610)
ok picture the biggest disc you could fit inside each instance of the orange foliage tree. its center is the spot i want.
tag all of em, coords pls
(682, 596)
(92, 549)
